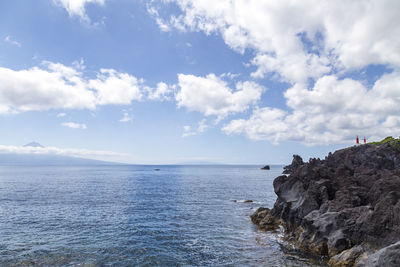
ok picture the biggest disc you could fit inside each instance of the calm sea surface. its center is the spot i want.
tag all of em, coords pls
(136, 216)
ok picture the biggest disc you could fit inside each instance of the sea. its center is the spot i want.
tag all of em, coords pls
(135, 215)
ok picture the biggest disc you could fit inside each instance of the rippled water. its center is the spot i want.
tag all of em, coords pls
(136, 216)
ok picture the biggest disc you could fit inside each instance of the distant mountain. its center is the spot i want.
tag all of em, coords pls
(34, 159)
(199, 162)
(33, 144)
(19, 159)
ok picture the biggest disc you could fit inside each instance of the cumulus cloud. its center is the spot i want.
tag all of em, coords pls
(74, 125)
(77, 7)
(115, 88)
(313, 46)
(333, 111)
(211, 95)
(56, 86)
(162, 92)
(299, 40)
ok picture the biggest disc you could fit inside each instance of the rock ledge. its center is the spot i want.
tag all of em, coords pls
(345, 207)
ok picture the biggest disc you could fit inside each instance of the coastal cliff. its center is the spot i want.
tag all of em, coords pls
(345, 207)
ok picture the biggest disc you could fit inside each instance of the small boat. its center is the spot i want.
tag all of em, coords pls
(156, 169)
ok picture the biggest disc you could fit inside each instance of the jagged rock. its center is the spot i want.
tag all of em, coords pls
(296, 162)
(349, 257)
(386, 257)
(266, 167)
(340, 205)
(243, 201)
(264, 220)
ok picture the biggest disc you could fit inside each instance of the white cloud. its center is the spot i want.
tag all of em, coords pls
(56, 86)
(333, 111)
(79, 64)
(62, 114)
(77, 7)
(202, 126)
(264, 124)
(161, 92)
(126, 118)
(229, 75)
(161, 24)
(189, 131)
(74, 125)
(311, 45)
(299, 39)
(115, 88)
(9, 40)
(211, 95)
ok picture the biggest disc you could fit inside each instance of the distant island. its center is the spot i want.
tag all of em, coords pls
(199, 162)
(31, 159)
(345, 207)
(266, 167)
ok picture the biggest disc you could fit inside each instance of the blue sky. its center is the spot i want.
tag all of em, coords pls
(180, 81)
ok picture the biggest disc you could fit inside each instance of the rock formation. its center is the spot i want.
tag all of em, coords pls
(345, 207)
(266, 167)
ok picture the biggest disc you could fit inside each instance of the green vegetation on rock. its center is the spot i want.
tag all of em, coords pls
(387, 139)
(395, 143)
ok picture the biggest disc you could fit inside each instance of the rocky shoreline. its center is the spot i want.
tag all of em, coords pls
(345, 207)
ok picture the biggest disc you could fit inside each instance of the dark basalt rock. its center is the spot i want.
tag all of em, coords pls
(345, 207)
(266, 167)
(243, 201)
(296, 162)
(386, 257)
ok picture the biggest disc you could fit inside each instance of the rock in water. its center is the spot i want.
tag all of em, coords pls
(244, 201)
(346, 207)
(266, 167)
(265, 221)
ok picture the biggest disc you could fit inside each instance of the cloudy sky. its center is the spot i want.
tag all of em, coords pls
(169, 81)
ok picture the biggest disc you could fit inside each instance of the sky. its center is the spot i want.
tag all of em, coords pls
(172, 81)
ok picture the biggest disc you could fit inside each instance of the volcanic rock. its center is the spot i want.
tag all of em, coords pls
(345, 207)
(266, 167)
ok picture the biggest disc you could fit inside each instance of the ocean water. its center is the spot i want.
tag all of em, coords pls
(136, 216)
